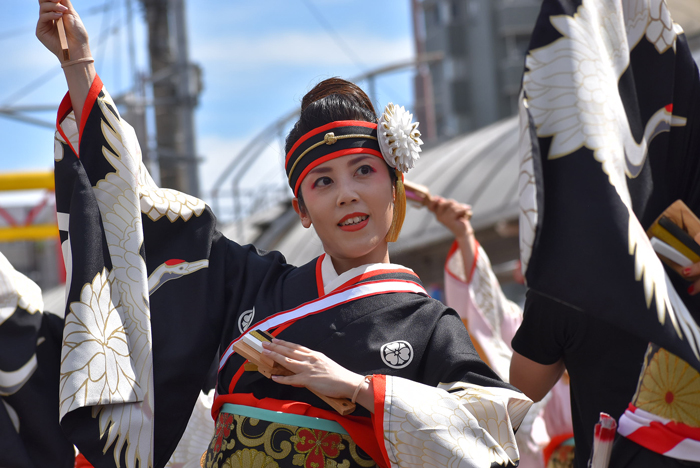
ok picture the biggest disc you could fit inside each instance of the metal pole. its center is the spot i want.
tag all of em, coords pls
(174, 95)
(424, 82)
(187, 94)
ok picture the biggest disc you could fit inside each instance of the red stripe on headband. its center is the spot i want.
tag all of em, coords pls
(316, 131)
(334, 155)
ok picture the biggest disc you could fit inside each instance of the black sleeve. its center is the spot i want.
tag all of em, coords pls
(450, 356)
(546, 331)
(31, 435)
(194, 280)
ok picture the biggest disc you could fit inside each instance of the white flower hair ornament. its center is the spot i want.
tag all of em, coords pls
(399, 138)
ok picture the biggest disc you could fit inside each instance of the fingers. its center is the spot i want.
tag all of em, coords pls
(689, 273)
(434, 203)
(292, 380)
(49, 6)
(287, 349)
(443, 207)
(50, 11)
(694, 288)
(290, 355)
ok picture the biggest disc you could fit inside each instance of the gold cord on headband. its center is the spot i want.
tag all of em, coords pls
(328, 139)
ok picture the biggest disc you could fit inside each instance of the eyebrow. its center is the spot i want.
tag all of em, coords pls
(356, 160)
(319, 170)
(325, 170)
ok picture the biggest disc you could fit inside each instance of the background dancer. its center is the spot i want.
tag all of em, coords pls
(473, 290)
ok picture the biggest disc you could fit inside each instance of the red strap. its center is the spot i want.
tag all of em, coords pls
(379, 385)
(454, 249)
(81, 462)
(319, 275)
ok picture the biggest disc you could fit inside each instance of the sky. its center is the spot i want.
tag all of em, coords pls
(258, 57)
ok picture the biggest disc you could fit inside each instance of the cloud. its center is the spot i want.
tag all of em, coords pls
(29, 55)
(219, 152)
(264, 176)
(302, 48)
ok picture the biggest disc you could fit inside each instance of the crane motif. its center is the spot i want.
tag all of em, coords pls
(173, 269)
(106, 361)
(571, 94)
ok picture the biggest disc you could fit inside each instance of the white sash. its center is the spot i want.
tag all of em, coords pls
(327, 302)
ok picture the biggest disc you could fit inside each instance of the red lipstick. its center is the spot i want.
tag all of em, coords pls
(355, 226)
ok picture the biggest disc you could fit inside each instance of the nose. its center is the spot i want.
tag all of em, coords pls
(346, 193)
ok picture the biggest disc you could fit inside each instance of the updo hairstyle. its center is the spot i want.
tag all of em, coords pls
(329, 101)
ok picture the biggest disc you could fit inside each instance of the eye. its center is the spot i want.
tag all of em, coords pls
(365, 170)
(322, 182)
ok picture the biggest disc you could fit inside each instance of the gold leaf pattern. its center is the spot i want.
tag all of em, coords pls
(250, 458)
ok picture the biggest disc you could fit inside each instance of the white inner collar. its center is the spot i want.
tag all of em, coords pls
(332, 280)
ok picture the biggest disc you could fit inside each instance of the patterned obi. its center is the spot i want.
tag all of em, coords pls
(254, 437)
(664, 415)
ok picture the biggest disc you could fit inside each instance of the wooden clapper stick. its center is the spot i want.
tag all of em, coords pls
(62, 39)
(418, 194)
(250, 347)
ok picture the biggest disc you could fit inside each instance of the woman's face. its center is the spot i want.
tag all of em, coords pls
(349, 201)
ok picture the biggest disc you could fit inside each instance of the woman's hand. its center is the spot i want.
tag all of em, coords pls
(49, 12)
(453, 215)
(80, 75)
(313, 370)
(693, 271)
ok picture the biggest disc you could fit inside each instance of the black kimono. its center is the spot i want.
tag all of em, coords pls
(155, 291)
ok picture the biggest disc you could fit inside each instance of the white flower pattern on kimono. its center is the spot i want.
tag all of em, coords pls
(94, 340)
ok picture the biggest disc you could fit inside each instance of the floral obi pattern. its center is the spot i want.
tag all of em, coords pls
(245, 442)
(669, 387)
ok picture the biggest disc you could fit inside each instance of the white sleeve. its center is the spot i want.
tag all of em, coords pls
(457, 424)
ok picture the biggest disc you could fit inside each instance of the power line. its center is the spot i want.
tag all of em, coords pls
(45, 77)
(106, 30)
(371, 81)
(334, 35)
(29, 28)
(31, 86)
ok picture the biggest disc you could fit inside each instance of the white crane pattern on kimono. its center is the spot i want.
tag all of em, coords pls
(111, 322)
(571, 92)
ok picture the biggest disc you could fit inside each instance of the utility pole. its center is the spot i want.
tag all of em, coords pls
(176, 87)
(425, 101)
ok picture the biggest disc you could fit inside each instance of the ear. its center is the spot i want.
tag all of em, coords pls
(303, 215)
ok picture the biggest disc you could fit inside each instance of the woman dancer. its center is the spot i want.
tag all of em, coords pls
(155, 290)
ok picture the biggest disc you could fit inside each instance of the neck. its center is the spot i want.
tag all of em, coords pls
(342, 265)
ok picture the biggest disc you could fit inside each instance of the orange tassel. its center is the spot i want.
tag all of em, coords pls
(399, 210)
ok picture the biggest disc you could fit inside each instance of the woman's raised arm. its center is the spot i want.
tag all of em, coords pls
(455, 217)
(79, 74)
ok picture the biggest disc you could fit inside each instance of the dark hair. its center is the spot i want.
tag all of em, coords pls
(330, 100)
